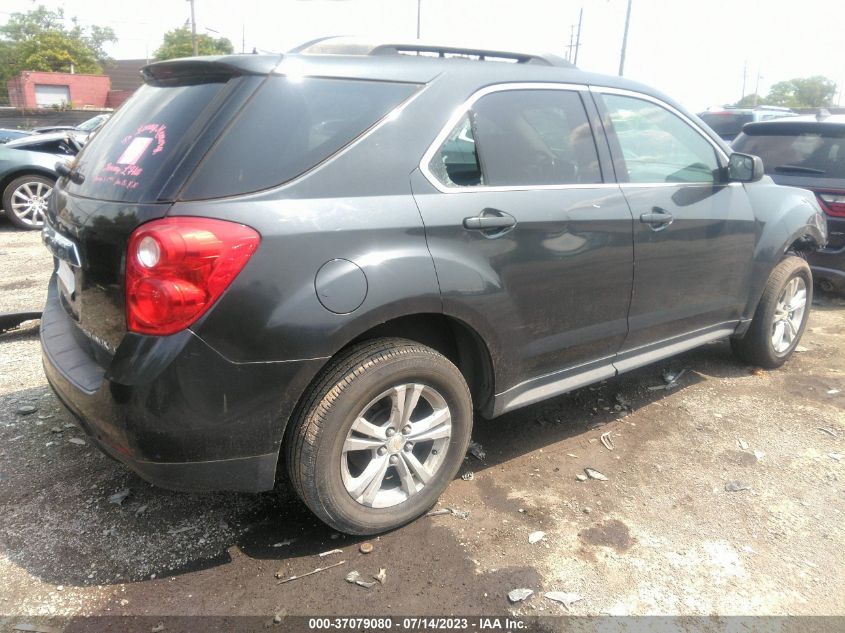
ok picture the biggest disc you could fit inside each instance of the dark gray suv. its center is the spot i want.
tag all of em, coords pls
(333, 261)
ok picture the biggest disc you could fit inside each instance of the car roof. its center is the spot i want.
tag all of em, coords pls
(392, 62)
(35, 139)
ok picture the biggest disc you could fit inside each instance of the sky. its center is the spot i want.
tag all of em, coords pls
(696, 52)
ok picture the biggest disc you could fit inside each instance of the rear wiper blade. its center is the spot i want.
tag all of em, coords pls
(798, 169)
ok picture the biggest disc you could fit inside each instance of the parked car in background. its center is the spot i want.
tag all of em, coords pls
(7, 134)
(340, 258)
(91, 125)
(728, 122)
(808, 152)
(28, 173)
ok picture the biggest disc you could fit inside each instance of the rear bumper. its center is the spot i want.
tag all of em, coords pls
(171, 408)
(828, 264)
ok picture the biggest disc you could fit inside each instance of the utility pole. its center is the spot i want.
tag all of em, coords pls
(625, 40)
(744, 74)
(757, 87)
(569, 49)
(419, 12)
(243, 39)
(578, 37)
(193, 29)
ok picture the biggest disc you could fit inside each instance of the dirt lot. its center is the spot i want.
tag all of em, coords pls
(662, 535)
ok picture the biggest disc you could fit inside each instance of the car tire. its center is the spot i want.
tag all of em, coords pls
(781, 316)
(25, 200)
(367, 479)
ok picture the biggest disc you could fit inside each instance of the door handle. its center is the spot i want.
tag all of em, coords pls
(490, 219)
(658, 218)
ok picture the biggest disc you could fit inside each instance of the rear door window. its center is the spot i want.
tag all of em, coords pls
(287, 128)
(520, 138)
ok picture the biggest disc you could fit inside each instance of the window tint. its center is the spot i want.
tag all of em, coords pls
(535, 137)
(130, 159)
(287, 128)
(456, 163)
(659, 146)
(808, 153)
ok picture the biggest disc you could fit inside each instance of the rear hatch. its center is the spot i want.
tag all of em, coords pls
(130, 173)
(805, 154)
(197, 130)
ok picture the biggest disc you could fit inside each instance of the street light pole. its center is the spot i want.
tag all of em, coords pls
(419, 11)
(625, 40)
(193, 29)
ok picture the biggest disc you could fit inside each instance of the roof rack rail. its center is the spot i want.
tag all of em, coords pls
(350, 46)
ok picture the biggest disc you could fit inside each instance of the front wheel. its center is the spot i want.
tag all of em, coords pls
(25, 200)
(781, 316)
(379, 436)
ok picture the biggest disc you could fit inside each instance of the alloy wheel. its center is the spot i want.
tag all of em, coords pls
(29, 202)
(789, 314)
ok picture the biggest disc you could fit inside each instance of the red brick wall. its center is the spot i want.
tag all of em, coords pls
(117, 97)
(85, 90)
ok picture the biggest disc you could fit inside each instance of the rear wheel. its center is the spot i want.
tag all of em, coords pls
(379, 436)
(781, 316)
(25, 200)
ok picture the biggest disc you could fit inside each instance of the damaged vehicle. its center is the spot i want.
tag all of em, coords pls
(28, 173)
(323, 265)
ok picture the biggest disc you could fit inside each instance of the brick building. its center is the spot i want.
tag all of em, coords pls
(32, 89)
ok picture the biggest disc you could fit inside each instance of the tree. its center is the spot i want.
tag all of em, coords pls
(749, 101)
(177, 43)
(803, 92)
(40, 40)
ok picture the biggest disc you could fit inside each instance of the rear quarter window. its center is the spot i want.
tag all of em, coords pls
(287, 128)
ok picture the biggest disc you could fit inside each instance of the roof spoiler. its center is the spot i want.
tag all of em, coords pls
(206, 69)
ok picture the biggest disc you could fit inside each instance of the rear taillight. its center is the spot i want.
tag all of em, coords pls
(177, 267)
(832, 202)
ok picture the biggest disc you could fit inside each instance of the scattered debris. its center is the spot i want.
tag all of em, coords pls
(801, 348)
(283, 543)
(586, 509)
(622, 401)
(536, 537)
(833, 392)
(381, 576)
(477, 451)
(468, 476)
(26, 409)
(77, 440)
(277, 619)
(836, 456)
(581, 477)
(742, 444)
(736, 486)
(759, 455)
(565, 598)
(606, 441)
(518, 595)
(310, 573)
(180, 530)
(830, 432)
(670, 378)
(461, 514)
(119, 497)
(35, 628)
(594, 474)
(158, 628)
(354, 578)
(330, 552)
(141, 510)
(366, 547)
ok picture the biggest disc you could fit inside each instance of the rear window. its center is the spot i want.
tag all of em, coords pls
(288, 127)
(726, 123)
(816, 153)
(129, 160)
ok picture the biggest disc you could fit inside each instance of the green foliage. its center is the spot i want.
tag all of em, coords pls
(177, 43)
(749, 101)
(803, 92)
(40, 40)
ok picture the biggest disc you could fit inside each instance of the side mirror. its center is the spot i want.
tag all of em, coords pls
(744, 168)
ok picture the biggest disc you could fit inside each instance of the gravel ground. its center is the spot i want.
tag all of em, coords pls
(723, 496)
